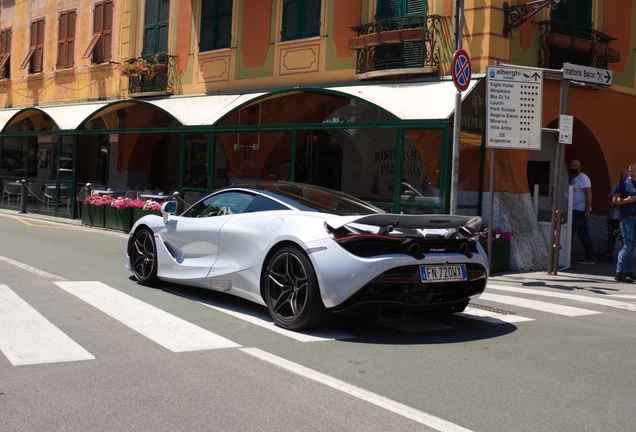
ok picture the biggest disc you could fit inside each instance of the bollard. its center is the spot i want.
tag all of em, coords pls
(23, 196)
(175, 197)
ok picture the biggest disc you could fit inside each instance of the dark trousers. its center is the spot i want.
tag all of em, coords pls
(579, 226)
(612, 225)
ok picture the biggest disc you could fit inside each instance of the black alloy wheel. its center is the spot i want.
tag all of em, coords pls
(291, 290)
(143, 257)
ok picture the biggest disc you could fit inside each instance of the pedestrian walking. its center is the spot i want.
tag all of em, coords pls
(581, 209)
(625, 197)
(613, 219)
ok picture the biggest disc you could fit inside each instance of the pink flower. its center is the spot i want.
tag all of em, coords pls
(496, 234)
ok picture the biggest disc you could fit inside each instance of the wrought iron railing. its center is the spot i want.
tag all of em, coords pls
(158, 82)
(397, 43)
(569, 43)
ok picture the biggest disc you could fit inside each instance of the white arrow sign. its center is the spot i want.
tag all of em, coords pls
(587, 74)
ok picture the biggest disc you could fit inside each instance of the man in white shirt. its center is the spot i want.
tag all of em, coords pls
(581, 209)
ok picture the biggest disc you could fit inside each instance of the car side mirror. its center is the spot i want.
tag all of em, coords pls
(168, 208)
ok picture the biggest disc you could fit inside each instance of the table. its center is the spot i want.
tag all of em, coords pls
(158, 198)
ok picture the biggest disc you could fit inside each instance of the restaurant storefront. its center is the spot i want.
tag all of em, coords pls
(390, 145)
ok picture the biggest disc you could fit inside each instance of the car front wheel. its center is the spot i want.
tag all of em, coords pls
(291, 290)
(143, 257)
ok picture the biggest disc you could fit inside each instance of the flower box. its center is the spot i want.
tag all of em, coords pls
(139, 213)
(413, 35)
(500, 250)
(391, 36)
(372, 39)
(118, 219)
(93, 215)
(357, 43)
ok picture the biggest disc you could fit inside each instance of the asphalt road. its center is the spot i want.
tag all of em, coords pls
(118, 356)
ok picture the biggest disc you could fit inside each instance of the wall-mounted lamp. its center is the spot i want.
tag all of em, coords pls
(514, 16)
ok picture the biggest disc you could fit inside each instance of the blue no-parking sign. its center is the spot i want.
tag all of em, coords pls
(461, 70)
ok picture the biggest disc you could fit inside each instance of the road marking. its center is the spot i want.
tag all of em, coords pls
(585, 299)
(167, 330)
(537, 305)
(29, 338)
(360, 393)
(410, 325)
(625, 296)
(316, 335)
(491, 316)
(30, 269)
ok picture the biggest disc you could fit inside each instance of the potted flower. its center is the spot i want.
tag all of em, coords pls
(143, 208)
(500, 248)
(118, 214)
(138, 67)
(93, 209)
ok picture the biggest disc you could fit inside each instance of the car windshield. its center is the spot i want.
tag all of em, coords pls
(313, 198)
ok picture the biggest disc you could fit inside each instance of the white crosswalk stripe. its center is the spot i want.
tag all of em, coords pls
(27, 337)
(314, 335)
(492, 316)
(583, 299)
(157, 325)
(537, 305)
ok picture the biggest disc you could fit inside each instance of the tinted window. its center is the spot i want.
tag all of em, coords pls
(261, 203)
(221, 204)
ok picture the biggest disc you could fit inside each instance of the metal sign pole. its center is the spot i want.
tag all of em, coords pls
(492, 205)
(458, 114)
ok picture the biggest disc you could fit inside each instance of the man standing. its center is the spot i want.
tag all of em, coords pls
(625, 197)
(613, 219)
(581, 209)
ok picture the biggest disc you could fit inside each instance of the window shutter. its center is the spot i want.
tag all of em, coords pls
(311, 15)
(162, 27)
(150, 27)
(415, 7)
(98, 14)
(70, 40)
(583, 14)
(108, 31)
(156, 27)
(208, 18)
(32, 45)
(387, 9)
(291, 13)
(61, 41)
(224, 24)
(39, 50)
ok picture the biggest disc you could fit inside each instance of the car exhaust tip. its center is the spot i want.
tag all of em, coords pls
(413, 249)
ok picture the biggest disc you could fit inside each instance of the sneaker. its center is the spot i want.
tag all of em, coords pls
(630, 275)
(584, 261)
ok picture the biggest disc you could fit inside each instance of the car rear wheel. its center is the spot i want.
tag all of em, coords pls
(291, 290)
(143, 257)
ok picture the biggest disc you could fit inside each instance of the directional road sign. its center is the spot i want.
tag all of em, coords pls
(514, 101)
(587, 74)
(461, 70)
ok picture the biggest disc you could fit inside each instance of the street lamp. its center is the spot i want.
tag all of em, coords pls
(514, 16)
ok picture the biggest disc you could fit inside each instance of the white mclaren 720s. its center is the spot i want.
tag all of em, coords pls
(308, 253)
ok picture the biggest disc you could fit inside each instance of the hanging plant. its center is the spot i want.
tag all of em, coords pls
(138, 67)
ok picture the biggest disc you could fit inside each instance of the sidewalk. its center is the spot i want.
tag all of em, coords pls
(579, 277)
(598, 277)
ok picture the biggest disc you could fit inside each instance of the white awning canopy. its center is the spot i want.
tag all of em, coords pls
(417, 101)
(69, 117)
(408, 101)
(203, 110)
(6, 115)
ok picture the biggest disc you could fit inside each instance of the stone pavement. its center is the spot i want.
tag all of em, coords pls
(578, 277)
(598, 278)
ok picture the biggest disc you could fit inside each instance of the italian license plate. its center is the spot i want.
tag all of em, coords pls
(436, 273)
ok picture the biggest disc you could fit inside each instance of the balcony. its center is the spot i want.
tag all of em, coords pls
(157, 83)
(398, 46)
(569, 43)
